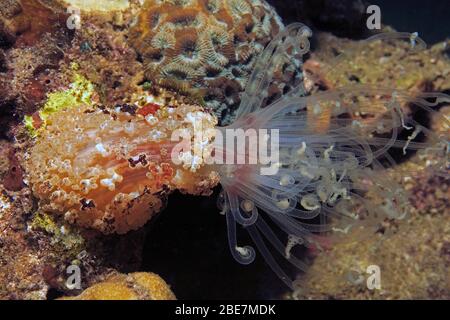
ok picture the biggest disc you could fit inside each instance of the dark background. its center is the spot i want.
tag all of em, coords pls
(431, 18)
(347, 17)
(187, 243)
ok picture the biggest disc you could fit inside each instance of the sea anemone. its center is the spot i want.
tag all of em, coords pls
(327, 160)
(110, 168)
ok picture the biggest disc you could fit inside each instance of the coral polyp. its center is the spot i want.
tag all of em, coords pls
(110, 168)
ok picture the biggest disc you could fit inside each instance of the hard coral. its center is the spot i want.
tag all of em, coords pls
(204, 47)
(111, 169)
(134, 286)
(96, 5)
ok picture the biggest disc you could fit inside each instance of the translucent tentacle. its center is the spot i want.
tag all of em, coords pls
(293, 39)
(244, 255)
(256, 237)
(326, 178)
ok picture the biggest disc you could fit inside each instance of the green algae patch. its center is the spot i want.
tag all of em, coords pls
(64, 237)
(80, 91)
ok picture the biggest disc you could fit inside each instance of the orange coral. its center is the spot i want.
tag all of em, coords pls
(134, 286)
(198, 44)
(111, 169)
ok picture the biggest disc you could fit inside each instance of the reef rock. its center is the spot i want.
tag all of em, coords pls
(413, 256)
(98, 5)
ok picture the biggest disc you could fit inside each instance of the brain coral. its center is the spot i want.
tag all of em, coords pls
(134, 286)
(204, 47)
(110, 168)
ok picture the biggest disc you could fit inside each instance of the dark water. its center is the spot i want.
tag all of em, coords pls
(347, 17)
(187, 244)
(430, 18)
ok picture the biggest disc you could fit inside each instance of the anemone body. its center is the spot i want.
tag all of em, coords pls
(111, 169)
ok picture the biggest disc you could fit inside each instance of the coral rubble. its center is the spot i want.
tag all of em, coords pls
(20, 264)
(412, 256)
